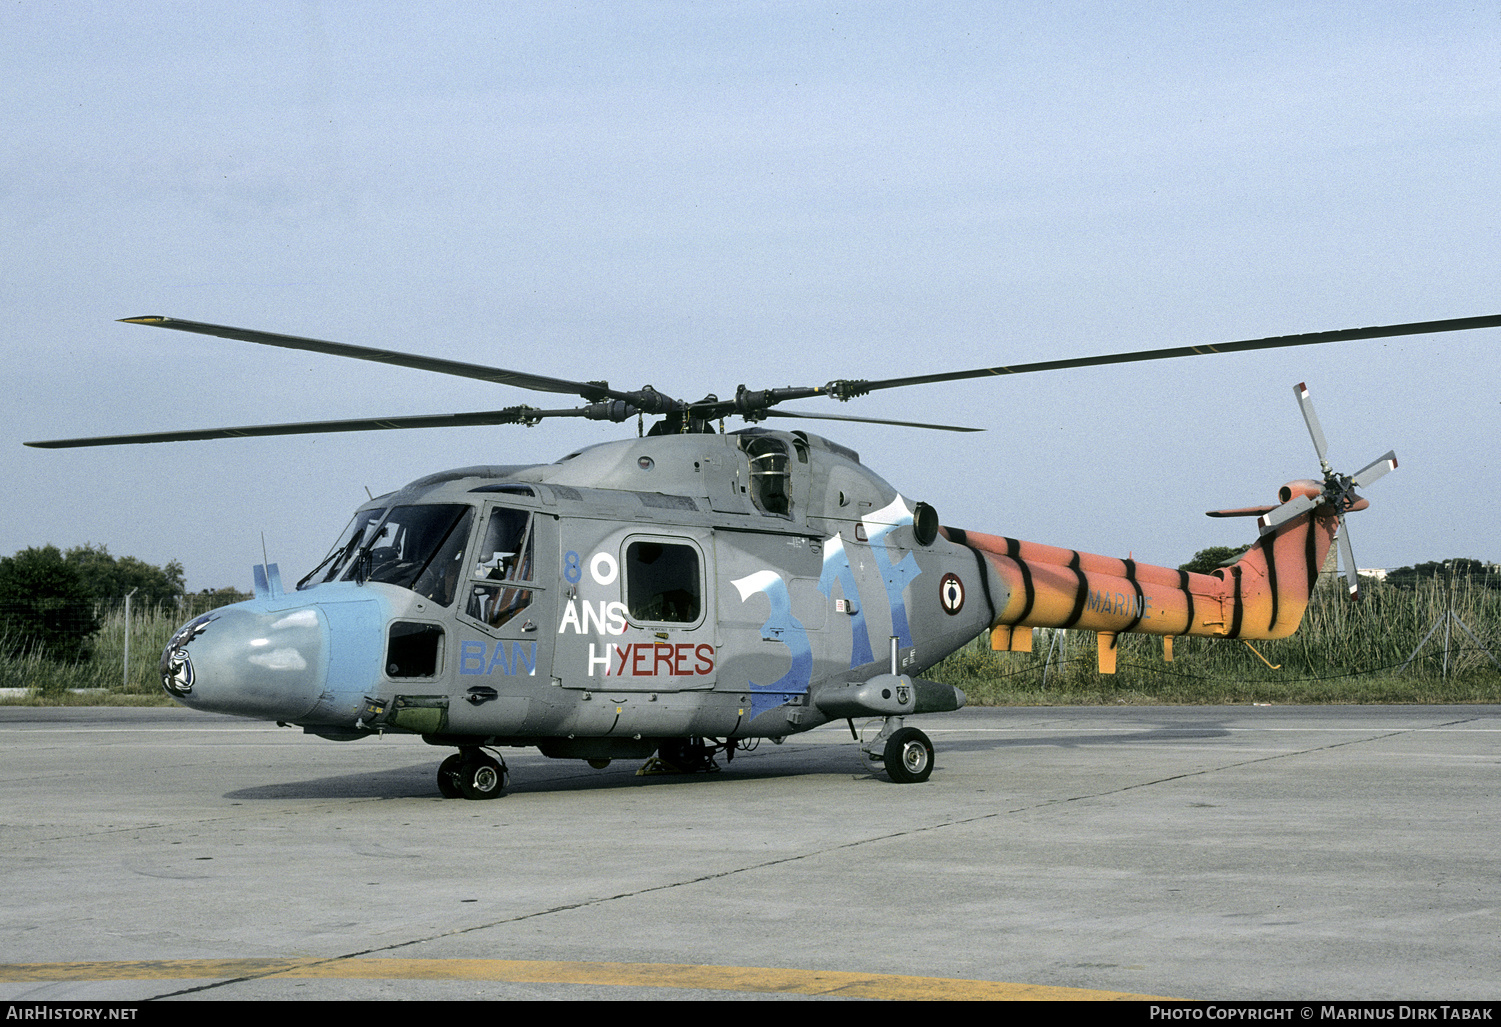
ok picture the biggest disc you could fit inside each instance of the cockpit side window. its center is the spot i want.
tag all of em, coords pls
(505, 551)
(502, 562)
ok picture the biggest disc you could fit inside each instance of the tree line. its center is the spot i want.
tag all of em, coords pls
(1479, 574)
(51, 601)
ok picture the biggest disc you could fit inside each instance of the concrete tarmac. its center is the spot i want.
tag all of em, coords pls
(1207, 852)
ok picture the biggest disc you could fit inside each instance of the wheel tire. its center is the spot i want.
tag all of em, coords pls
(482, 777)
(448, 776)
(909, 757)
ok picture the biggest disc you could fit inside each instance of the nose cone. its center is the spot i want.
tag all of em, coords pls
(249, 661)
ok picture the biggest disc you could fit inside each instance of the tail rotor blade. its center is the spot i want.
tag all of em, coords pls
(1312, 420)
(1286, 512)
(1347, 557)
(1337, 495)
(1375, 469)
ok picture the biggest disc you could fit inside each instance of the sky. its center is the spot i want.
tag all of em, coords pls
(699, 195)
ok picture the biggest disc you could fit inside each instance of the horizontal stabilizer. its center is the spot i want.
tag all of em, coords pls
(1245, 511)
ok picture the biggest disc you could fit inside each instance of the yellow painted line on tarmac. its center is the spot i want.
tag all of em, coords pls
(749, 979)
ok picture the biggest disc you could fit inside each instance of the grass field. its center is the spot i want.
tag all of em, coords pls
(104, 676)
(1344, 653)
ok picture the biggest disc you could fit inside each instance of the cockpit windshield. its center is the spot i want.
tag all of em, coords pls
(415, 547)
(351, 540)
(420, 548)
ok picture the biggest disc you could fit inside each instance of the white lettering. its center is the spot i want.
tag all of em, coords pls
(597, 619)
(616, 614)
(603, 568)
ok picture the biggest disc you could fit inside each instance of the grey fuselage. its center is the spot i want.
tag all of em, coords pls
(727, 586)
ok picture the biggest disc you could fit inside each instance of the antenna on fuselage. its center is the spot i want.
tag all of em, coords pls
(267, 575)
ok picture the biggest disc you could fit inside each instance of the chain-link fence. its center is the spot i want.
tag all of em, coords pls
(54, 645)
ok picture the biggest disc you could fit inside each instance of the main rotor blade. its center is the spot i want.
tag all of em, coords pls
(510, 415)
(592, 391)
(1305, 404)
(868, 420)
(1274, 342)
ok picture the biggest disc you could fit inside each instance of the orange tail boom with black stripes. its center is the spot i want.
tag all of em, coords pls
(1262, 595)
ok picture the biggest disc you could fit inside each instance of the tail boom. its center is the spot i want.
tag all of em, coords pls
(1262, 595)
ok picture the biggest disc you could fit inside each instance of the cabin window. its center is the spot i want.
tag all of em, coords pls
(662, 582)
(503, 560)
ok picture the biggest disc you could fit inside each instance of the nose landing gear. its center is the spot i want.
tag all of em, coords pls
(473, 774)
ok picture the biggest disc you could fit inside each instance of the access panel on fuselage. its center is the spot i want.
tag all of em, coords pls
(772, 616)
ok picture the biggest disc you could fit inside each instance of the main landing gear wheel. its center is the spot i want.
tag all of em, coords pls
(909, 756)
(472, 774)
(448, 776)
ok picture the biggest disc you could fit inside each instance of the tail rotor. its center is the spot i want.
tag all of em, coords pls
(1337, 496)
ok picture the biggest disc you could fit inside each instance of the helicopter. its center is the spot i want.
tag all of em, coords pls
(689, 593)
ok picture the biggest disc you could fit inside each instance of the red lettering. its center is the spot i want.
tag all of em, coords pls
(662, 659)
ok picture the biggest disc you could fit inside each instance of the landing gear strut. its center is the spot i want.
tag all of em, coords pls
(473, 774)
(691, 756)
(687, 756)
(905, 753)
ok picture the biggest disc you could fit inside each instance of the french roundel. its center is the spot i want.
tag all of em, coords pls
(951, 594)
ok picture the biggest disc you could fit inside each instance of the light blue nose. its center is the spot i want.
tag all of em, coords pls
(249, 661)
